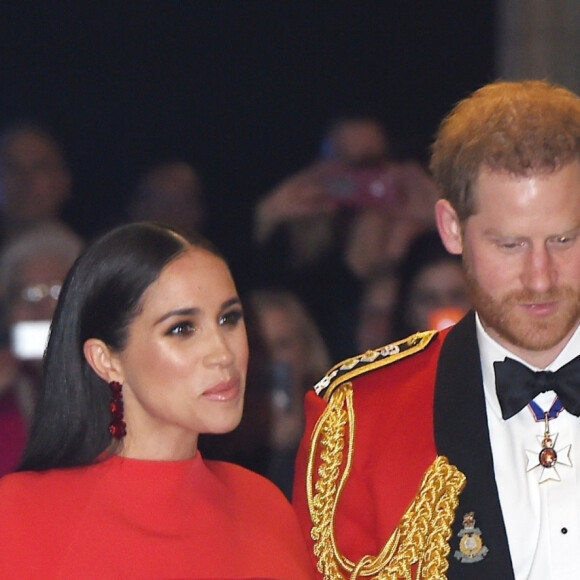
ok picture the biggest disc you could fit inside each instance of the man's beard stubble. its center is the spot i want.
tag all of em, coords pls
(502, 315)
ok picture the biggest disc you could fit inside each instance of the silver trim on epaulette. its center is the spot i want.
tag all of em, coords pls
(351, 367)
(351, 363)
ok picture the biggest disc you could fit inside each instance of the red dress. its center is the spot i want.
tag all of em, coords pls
(126, 518)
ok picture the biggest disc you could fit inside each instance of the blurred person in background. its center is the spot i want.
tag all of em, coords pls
(335, 222)
(32, 269)
(432, 293)
(298, 358)
(170, 192)
(35, 180)
(301, 208)
(375, 309)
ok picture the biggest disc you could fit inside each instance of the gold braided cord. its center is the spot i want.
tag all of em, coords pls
(418, 548)
(331, 427)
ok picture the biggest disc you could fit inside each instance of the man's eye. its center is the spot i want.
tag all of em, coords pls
(563, 240)
(231, 318)
(510, 244)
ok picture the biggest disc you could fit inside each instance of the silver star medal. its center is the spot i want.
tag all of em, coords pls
(548, 459)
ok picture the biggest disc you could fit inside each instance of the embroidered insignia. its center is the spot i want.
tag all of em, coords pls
(471, 547)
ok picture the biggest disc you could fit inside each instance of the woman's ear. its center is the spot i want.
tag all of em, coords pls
(449, 226)
(102, 360)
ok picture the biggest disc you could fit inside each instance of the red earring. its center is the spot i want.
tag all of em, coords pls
(117, 427)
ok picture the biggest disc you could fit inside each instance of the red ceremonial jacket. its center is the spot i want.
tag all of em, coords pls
(395, 455)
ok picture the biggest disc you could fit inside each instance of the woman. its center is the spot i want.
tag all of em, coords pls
(147, 350)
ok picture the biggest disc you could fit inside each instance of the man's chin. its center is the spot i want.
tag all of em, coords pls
(534, 336)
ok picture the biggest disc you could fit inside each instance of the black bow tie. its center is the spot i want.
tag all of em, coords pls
(516, 385)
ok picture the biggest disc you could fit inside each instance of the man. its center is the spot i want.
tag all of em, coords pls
(410, 466)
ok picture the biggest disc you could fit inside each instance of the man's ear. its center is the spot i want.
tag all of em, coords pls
(449, 226)
(102, 360)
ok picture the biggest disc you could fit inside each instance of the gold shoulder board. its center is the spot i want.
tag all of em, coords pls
(371, 359)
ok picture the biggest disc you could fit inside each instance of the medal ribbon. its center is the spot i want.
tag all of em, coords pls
(540, 415)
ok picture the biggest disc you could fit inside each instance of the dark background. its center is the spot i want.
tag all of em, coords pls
(243, 89)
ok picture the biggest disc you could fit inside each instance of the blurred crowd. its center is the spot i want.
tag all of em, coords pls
(344, 258)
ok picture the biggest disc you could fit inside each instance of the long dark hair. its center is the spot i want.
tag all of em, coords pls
(100, 297)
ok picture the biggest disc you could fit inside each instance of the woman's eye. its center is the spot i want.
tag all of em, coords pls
(231, 318)
(182, 328)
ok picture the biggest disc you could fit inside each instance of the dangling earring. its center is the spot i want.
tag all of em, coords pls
(117, 427)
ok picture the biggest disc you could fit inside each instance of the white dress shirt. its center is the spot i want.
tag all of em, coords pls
(542, 520)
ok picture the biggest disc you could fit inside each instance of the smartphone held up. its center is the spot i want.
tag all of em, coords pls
(361, 187)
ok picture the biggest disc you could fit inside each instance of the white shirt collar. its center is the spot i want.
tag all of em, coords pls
(491, 351)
